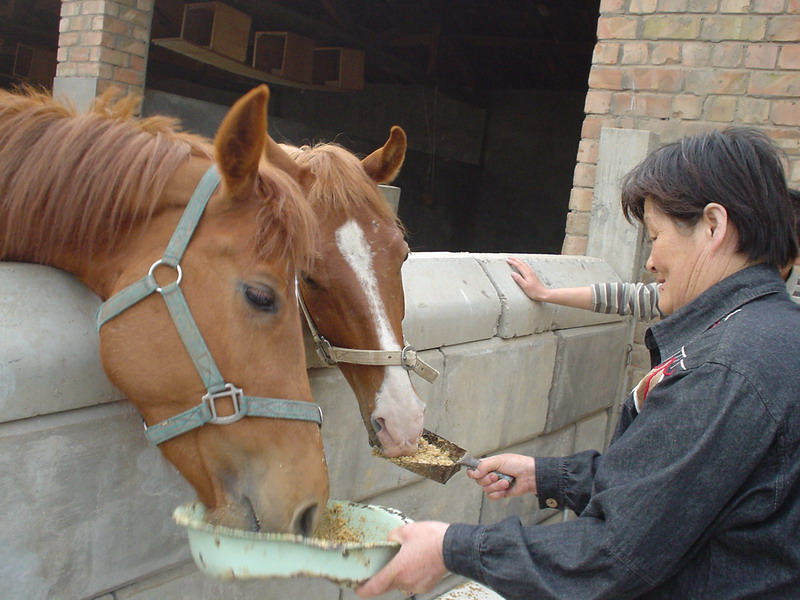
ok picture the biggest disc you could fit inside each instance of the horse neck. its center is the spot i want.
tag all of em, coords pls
(107, 269)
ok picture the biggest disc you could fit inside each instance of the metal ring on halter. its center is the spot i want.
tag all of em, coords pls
(160, 262)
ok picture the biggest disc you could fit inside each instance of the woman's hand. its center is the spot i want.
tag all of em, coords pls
(523, 468)
(417, 567)
(527, 280)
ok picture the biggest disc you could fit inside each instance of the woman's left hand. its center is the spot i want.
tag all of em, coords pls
(417, 567)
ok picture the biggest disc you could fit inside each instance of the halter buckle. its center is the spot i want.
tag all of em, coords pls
(324, 351)
(235, 394)
(408, 358)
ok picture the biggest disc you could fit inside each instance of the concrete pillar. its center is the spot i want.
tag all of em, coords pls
(102, 43)
(611, 237)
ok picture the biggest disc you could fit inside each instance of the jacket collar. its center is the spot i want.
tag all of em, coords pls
(664, 338)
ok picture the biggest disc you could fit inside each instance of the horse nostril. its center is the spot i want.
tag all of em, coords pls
(306, 521)
(378, 424)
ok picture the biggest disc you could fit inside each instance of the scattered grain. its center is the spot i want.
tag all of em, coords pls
(334, 528)
(426, 454)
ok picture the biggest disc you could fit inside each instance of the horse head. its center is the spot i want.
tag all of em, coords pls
(227, 396)
(353, 289)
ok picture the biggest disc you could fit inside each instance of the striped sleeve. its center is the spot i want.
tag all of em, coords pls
(637, 299)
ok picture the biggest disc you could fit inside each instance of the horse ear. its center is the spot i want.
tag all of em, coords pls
(384, 164)
(278, 157)
(240, 139)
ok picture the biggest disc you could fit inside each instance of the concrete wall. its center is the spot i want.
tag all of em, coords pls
(87, 502)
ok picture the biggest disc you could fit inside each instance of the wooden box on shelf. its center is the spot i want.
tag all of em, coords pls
(218, 27)
(284, 54)
(339, 67)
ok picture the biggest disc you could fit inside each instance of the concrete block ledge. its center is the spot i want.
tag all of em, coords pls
(49, 354)
(449, 300)
(522, 316)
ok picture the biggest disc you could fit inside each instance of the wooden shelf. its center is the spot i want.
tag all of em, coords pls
(209, 57)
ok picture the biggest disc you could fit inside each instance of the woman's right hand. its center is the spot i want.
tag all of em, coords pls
(527, 280)
(522, 468)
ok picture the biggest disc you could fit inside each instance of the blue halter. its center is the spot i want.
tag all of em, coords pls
(216, 386)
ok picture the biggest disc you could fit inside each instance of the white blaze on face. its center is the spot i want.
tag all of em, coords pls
(396, 401)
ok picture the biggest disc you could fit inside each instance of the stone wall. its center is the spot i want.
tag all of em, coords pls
(88, 502)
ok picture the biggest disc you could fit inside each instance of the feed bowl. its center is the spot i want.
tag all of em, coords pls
(230, 554)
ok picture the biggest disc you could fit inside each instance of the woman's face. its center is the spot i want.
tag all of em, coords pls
(678, 257)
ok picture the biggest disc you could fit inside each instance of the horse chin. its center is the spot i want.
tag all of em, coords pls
(240, 515)
(392, 448)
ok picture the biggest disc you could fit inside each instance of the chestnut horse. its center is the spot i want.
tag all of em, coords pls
(218, 374)
(353, 291)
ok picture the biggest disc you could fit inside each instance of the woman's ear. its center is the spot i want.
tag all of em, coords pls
(716, 224)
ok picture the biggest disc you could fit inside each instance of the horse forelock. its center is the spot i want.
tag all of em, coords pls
(286, 224)
(341, 183)
(76, 182)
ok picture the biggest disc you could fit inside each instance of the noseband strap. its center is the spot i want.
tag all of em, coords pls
(330, 355)
(216, 386)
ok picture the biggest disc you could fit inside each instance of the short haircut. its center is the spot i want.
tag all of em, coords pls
(739, 168)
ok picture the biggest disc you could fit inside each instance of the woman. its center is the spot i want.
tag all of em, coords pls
(698, 495)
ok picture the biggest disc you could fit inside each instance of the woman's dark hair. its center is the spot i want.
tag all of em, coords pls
(739, 168)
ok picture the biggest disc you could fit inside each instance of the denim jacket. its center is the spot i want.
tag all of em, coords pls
(698, 494)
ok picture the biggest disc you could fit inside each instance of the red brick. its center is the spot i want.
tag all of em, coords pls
(702, 6)
(678, 6)
(727, 54)
(68, 38)
(696, 54)
(605, 53)
(612, 6)
(580, 199)
(78, 54)
(720, 108)
(666, 53)
(786, 112)
(753, 111)
(793, 7)
(761, 56)
(129, 76)
(687, 106)
(616, 28)
(605, 78)
(574, 245)
(654, 80)
(789, 57)
(767, 6)
(734, 6)
(592, 125)
(117, 26)
(716, 81)
(634, 53)
(774, 84)
(597, 101)
(584, 175)
(783, 29)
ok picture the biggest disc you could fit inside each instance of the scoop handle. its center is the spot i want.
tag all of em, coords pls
(472, 463)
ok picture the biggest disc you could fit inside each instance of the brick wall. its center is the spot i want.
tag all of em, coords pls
(103, 43)
(676, 67)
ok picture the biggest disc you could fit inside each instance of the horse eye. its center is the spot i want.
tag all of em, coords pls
(261, 298)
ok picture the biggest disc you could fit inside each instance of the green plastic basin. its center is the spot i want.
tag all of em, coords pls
(230, 554)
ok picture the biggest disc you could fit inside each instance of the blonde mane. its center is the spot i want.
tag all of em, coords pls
(79, 182)
(341, 182)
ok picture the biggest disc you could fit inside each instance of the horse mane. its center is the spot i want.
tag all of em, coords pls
(341, 183)
(78, 182)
